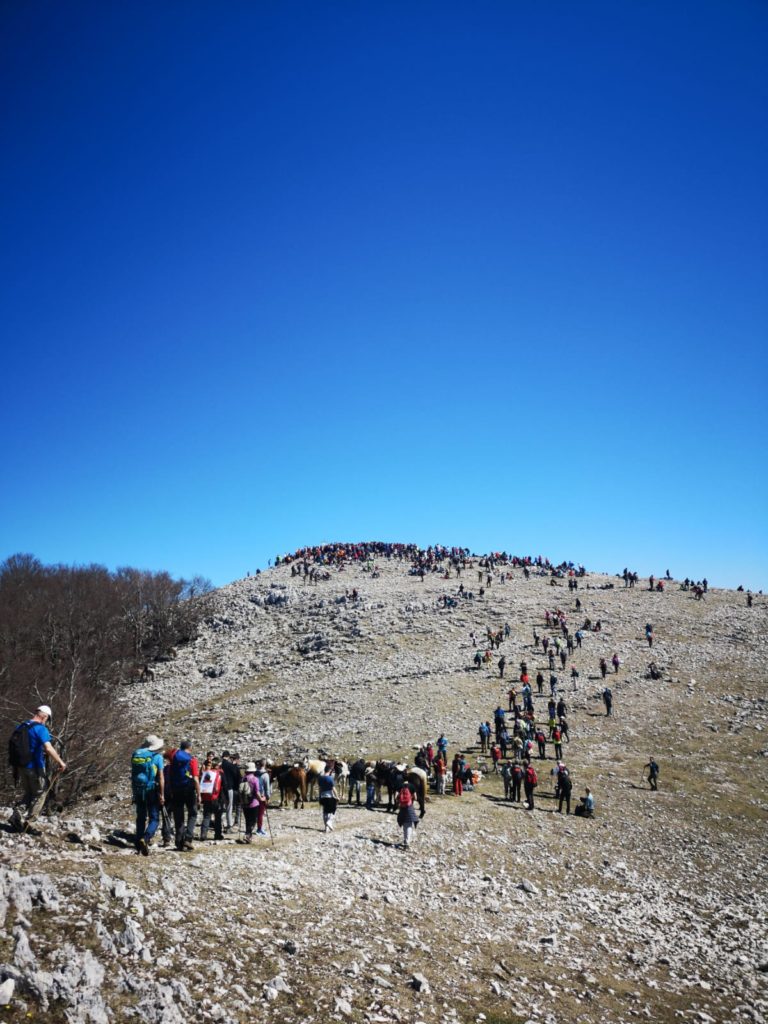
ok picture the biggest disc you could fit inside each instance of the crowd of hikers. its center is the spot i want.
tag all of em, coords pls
(173, 788)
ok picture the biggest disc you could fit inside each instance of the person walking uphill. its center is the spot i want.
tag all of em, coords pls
(608, 700)
(148, 790)
(530, 782)
(185, 784)
(653, 774)
(28, 747)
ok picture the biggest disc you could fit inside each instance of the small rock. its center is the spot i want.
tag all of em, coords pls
(528, 887)
(420, 983)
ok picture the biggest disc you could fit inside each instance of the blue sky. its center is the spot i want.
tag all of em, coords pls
(487, 274)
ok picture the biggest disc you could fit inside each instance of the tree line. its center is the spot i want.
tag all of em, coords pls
(70, 636)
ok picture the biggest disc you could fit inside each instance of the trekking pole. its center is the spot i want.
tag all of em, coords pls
(41, 800)
(269, 823)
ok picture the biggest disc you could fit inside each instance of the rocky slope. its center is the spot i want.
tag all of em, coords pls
(656, 909)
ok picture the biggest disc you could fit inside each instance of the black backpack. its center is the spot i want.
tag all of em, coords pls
(19, 750)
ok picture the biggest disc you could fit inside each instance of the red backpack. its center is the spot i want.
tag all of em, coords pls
(530, 776)
(405, 797)
(210, 785)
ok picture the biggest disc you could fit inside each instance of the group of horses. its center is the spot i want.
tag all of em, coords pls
(297, 781)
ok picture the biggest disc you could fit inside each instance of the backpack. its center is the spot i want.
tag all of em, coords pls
(246, 793)
(210, 785)
(181, 772)
(405, 797)
(530, 776)
(19, 747)
(143, 773)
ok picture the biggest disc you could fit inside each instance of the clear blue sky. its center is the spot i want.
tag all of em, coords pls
(490, 274)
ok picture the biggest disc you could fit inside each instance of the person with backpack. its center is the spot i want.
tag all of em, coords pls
(148, 790)
(517, 775)
(251, 800)
(530, 782)
(653, 775)
(185, 784)
(28, 747)
(407, 818)
(213, 796)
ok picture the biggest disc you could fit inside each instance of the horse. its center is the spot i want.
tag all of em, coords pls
(291, 781)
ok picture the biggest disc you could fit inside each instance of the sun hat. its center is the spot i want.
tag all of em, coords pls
(44, 710)
(153, 742)
(250, 767)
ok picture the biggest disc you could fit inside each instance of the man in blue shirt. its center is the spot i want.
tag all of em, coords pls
(32, 774)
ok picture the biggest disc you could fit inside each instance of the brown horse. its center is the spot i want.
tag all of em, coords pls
(291, 781)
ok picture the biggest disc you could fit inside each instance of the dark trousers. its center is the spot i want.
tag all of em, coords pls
(565, 797)
(214, 810)
(184, 801)
(251, 814)
(516, 790)
(529, 795)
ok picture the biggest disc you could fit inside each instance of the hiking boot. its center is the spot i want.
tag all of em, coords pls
(15, 821)
(143, 847)
(187, 845)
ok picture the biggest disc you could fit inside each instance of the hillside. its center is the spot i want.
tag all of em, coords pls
(655, 909)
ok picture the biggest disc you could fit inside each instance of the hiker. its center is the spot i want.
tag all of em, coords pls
(517, 773)
(185, 784)
(615, 661)
(495, 757)
(328, 797)
(565, 787)
(575, 678)
(502, 664)
(370, 786)
(440, 772)
(148, 790)
(603, 667)
(608, 701)
(586, 808)
(29, 744)
(484, 732)
(498, 720)
(251, 800)
(457, 770)
(540, 681)
(356, 780)
(442, 747)
(557, 740)
(213, 797)
(541, 741)
(506, 777)
(407, 818)
(653, 774)
(530, 782)
(232, 780)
